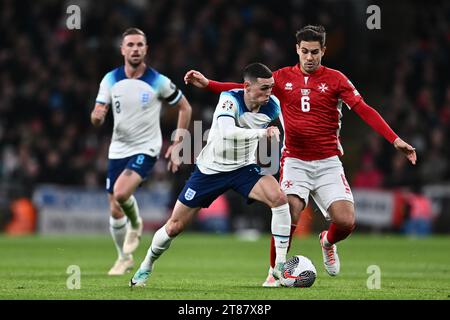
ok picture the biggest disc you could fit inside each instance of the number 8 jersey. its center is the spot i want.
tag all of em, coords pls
(136, 106)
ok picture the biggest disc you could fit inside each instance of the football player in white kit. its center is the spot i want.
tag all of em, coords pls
(135, 93)
(228, 162)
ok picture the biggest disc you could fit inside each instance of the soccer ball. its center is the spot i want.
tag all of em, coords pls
(299, 271)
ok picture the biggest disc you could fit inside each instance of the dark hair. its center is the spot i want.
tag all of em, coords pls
(312, 33)
(256, 70)
(134, 31)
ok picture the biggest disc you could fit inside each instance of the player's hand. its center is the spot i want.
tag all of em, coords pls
(196, 78)
(407, 149)
(273, 132)
(99, 113)
(173, 154)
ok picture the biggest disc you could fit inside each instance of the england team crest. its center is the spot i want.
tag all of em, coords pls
(145, 99)
(189, 194)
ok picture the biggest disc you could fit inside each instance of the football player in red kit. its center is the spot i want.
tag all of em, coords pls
(311, 97)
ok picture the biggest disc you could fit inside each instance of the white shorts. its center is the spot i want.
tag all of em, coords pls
(324, 180)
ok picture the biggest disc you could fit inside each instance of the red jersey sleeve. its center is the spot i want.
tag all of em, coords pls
(348, 92)
(218, 87)
(374, 119)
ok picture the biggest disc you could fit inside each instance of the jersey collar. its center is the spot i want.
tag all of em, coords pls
(315, 73)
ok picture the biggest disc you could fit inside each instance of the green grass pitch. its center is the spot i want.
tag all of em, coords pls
(223, 267)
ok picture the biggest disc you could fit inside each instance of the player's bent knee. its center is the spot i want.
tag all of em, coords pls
(174, 228)
(347, 222)
(121, 196)
(277, 199)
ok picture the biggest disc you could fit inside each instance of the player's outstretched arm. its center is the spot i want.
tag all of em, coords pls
(374, 119)
(407, 149)
(98, 114)
(184, 119)
(197, 79)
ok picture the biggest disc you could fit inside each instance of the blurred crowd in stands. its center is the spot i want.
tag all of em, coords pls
(49, 78)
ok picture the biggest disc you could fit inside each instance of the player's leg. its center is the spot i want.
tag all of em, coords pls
(126, 184)
(342, 214)
(124, 188)
(199, 192)
(296, 184)
(118, 229)
(118, 220)
(181, 216)
(296, 206)
(334, 197)
(135, 172)
(267, 190)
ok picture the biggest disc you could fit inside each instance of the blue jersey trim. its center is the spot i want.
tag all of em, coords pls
(271, 109)
(150, 76)
(238, 95)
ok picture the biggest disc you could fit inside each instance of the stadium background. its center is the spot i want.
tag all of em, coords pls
(49, 79)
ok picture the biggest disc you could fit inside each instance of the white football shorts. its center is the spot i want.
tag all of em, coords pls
(324, 180)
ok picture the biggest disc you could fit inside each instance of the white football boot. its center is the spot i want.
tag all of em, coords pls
(270, 280)
(121, 266)
(330, 256)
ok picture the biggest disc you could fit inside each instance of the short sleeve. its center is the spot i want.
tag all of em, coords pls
(168, 90)
(348, 92)
(104, 92)
(227, 106)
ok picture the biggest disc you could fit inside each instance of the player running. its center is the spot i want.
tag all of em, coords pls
(135, 92)
(311, 97)
(228, 162)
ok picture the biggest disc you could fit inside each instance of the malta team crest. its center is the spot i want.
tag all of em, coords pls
(189, 194)
(287, 184)
(323, 87)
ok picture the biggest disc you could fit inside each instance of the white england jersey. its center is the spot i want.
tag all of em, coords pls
(136, 106)
(223, 155)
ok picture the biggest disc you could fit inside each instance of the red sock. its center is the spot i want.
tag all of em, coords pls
(337, 233)
(272, 247)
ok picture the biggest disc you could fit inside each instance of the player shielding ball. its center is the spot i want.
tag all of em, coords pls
(228, 162)
(135, 94)
(311, 97)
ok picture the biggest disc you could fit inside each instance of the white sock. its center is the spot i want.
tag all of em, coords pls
(281, 231)
(131, 209)
(160, 243)
(118, 229)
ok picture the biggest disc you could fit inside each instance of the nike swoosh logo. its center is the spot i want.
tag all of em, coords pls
(284, 241)
(135, 166)
(117, 96)
(132, 283)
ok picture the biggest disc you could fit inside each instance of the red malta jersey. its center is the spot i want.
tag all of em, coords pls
(311, 107)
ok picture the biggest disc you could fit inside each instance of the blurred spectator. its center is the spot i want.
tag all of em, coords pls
(368, 177)
(418, 216)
